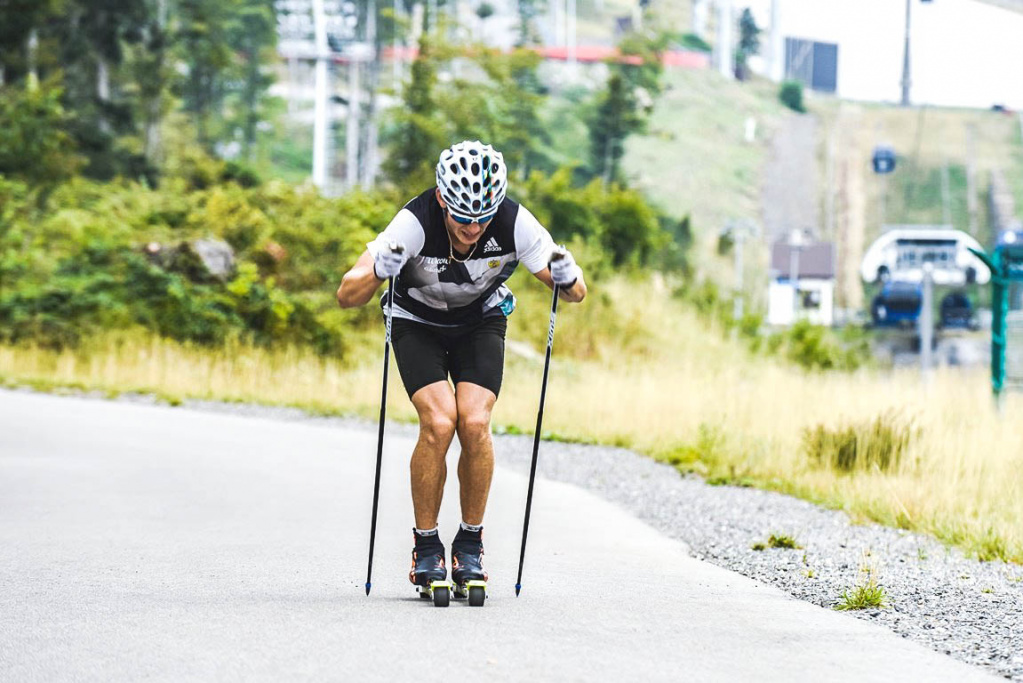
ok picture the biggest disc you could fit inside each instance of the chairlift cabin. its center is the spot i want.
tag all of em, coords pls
(883, 159)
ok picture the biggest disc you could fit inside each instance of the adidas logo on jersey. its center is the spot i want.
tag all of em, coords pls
(491, 245)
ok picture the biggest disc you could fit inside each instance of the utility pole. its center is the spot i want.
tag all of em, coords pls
(740, 232)
(352, 127)
(321, 121)
(926, 320)
(724, 46)
(700, 17)
(557, 12)
(905, 62)
(796, 241)
(369, 153)
(777, 44)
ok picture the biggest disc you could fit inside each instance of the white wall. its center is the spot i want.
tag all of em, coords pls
(780, 302)
(964, 52)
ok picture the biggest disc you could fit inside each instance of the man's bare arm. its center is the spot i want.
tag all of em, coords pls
(359, 283)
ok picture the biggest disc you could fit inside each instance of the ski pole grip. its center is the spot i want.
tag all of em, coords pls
(395, 247)
(558, 253)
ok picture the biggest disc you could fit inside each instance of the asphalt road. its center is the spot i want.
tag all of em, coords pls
(150, 543)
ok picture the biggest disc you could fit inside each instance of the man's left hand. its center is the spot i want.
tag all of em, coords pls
(564, 271)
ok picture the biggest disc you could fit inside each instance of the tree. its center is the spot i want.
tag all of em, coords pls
(35, 145)
(92, 36)
(616, 118)
(18, 19)
(253, 34)
(642, 61)
(503, 109)
(413, 150)
(749, 43)
(201, 39)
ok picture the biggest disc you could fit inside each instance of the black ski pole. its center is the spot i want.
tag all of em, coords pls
(380, 433)
(536, 434)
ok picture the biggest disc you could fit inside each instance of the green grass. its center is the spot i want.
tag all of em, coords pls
(867, 595)
(783, 541)
(636, 369)
(693, 158)
(779, 541)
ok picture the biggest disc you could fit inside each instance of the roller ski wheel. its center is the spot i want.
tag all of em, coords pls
(474, 591)
(438, 591)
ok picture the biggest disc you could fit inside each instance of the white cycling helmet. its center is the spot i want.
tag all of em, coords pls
(472, 179)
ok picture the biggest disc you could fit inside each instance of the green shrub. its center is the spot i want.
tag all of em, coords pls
(791, 95)
(879, 443)
(815, 347)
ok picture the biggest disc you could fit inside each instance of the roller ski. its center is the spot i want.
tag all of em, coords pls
(467, 573)
(429, 573)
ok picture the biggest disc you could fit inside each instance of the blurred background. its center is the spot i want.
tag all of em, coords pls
(775, 202)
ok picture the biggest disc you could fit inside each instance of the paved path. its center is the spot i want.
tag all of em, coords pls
(141, 542)
(790, 194)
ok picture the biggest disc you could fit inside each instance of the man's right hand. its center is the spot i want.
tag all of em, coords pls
(388, 261)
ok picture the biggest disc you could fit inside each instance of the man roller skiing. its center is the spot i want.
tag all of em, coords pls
(450, 250)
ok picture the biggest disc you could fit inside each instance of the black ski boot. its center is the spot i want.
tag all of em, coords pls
(427, 561)
(467, 557)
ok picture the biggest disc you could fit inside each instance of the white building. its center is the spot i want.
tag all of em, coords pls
(802, 284)
(963, 53)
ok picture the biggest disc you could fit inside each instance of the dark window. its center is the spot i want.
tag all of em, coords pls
(813, 64)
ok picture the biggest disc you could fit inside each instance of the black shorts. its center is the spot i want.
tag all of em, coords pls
(470, 353)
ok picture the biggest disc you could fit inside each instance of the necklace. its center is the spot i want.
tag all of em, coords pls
(467, 256)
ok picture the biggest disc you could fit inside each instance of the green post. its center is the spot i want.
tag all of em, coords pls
(999, 313)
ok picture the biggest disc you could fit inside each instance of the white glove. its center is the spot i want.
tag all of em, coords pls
(564, 271)
(388, 261)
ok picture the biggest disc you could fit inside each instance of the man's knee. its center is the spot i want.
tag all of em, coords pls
(474, 423)
(437, 427)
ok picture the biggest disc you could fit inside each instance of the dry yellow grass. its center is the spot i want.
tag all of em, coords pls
(686, 394)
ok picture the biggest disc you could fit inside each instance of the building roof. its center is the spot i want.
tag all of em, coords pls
(816, 260)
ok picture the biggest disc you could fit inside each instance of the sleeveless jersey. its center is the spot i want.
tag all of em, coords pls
(434, 289)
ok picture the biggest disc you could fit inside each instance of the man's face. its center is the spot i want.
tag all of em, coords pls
(464, 234)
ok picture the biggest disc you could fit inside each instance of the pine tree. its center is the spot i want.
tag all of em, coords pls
(749, 43)
(617, 117)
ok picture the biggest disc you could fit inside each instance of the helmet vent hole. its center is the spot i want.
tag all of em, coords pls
(476, 205)
(465, 197)
(475, 187)
(454, 168)
(495, 168)
(475, 169)
(463, 163)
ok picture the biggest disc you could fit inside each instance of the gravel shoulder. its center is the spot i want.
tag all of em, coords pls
(968, 609)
